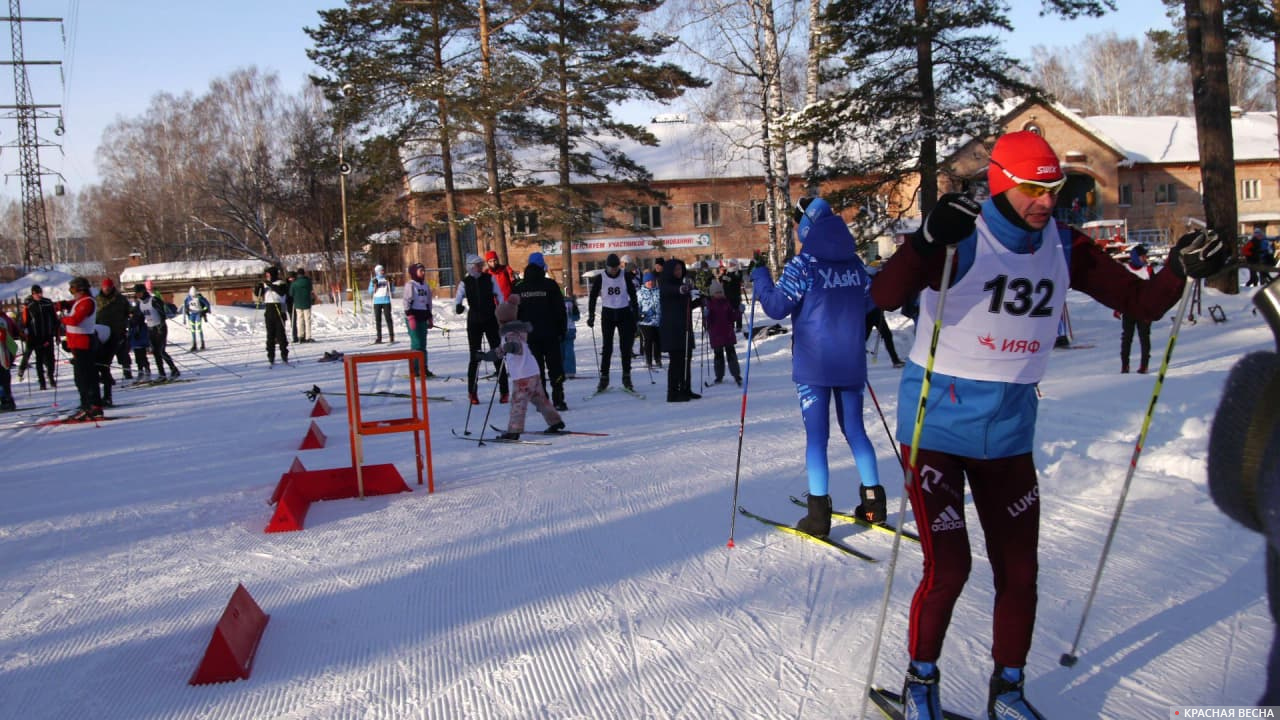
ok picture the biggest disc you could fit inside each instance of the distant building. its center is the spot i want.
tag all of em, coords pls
(1144, 170)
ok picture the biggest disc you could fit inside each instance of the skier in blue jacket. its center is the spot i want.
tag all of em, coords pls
(825, 290)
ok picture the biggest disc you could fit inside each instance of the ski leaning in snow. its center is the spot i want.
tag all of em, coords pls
(890, 705)
(830, 542)
(69, 421)
(561, 432)
(482, 441)
(632, 393)
(883, 527)
(153, 382)
(390, 393)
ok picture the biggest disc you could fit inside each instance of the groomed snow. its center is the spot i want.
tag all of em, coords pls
(590, 578)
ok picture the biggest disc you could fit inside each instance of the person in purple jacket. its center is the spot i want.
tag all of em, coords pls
(825, 290)
(721, 314)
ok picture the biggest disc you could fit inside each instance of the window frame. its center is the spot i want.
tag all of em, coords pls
(1250, 189)
(711, 209)
(650, 213)
(524, 222)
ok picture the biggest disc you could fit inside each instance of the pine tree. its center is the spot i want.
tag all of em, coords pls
(929, 75)
(592, 56)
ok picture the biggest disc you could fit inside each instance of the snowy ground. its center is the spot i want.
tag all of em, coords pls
(590, 578)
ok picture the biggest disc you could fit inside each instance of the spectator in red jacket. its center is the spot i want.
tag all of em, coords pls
(502, 274)
(78, 315)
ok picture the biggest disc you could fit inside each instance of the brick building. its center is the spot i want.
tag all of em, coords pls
(1142, 170)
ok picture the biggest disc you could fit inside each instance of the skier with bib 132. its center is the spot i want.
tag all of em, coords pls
(1013, 265)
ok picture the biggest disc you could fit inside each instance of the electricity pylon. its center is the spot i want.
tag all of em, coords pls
(37, 249)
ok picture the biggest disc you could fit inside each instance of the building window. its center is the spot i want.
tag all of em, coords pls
(595, 219)
(525, 222)
(1166, 194)
(1250, 189)
(1126, 195)
(647, 217)
(759, 212)
(706, 214)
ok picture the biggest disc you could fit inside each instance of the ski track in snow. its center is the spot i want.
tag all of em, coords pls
(590, 578)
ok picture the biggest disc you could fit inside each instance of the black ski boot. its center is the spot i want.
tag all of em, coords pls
(818, 521)
(873, 508)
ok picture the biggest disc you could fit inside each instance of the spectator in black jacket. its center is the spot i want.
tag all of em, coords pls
(113, 312)
(271, 294)
(40, 325)
(675, 328)
(542, 305)
(620, 311)
(482, 295)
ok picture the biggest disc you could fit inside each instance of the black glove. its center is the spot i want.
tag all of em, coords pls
(591, 321)
(951, 221)
(489, 356)
(511, 347)
(459, 309)
(1198, 254)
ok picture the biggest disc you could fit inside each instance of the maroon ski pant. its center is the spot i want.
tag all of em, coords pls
(1006, 497)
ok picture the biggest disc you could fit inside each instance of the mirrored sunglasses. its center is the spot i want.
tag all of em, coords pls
(1034, 188)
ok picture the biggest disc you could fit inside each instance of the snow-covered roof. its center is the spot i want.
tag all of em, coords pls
(193, 269)
(1170, 139)
(52, 282)
(685, 151)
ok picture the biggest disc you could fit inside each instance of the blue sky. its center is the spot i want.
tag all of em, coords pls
(119, 55)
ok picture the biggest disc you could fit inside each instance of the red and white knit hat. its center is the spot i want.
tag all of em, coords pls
(1024, 155)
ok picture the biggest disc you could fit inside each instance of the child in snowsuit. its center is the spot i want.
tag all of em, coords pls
(196, 309)
(721, 316)
(140, 341)
(522, 368)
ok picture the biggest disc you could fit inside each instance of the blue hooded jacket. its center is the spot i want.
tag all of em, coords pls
(825, 290)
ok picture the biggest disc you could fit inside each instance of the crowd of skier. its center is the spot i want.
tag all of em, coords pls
(989, 279)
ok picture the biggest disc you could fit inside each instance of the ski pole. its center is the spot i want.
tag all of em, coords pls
(596, 349)
(892, 443)
(742, 423)
(1070, 657)
(492, 395)
(217, 365)
(909, 471)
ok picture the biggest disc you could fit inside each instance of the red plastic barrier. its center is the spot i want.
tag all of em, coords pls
(305, 487)
(321, 407)
(295, 467)
(291, 509)
(234, 643)
(315, 438)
